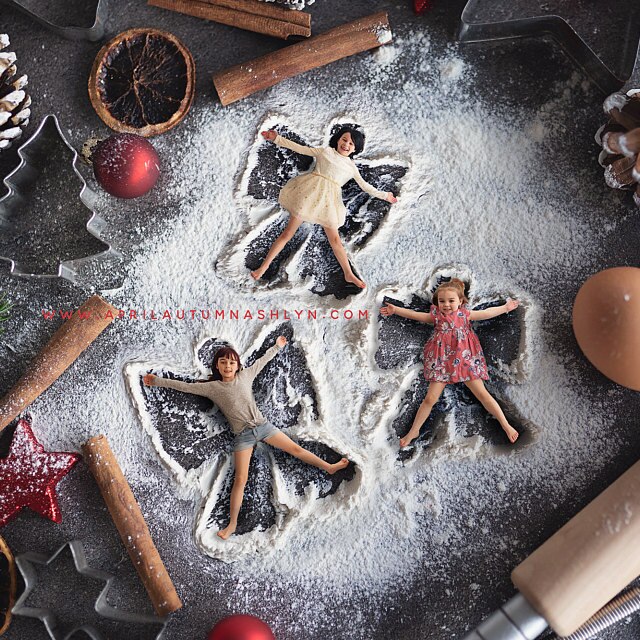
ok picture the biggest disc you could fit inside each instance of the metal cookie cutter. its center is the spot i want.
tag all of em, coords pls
(23, 178)
(485, 20)
(92, 33)
(25, 563)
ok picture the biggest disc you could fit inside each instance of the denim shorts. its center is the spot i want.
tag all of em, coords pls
(250, 436)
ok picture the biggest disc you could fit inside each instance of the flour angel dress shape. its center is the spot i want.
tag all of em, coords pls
(317, 196)
(453, 353)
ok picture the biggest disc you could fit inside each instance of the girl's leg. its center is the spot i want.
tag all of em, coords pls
(489, 403)
(278, 245)
(284, 442)
(341, 255)
(241, 460)
(424, 410)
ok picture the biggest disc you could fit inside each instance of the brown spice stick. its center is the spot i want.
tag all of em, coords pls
(268, 10)
(131, 525)
(242, 80)
(66, 344)
(233, 18)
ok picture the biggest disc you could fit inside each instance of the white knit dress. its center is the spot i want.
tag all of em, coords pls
(317, 196)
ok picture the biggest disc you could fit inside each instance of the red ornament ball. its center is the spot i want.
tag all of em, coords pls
(125, 165)
(241, 627)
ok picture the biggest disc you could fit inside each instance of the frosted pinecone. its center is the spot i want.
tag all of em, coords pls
(620, 141)
(14, 101)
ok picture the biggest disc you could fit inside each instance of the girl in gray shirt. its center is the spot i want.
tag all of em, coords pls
(231, 389)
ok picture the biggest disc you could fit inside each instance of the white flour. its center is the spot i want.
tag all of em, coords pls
(480, 191)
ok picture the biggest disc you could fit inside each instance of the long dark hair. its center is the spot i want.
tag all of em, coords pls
(356, 135)
(223, 352)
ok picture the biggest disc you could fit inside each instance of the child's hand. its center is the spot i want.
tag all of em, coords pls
(510, 305)
(269, 135)
(281, 341)
(149, 380)
(389, 310)
(391, 198)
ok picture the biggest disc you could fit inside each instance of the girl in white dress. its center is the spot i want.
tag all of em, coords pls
(317, 196)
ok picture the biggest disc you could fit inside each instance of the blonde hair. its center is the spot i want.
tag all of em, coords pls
(457, 285)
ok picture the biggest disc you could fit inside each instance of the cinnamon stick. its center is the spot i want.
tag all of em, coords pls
(243, 15)
(66, 344)
(267, 9)
(131, 525)
(242, 80)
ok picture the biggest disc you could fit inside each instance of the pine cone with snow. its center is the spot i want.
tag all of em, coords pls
(14, 101)
(620, 141)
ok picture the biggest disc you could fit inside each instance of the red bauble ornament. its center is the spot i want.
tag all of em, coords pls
(29, 475)
(125, 165)
(420, 6)
(241, 628)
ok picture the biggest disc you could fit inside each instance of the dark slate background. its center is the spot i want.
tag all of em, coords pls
(523, 71)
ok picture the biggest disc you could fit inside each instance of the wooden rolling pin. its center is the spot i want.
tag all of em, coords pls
(587, 562)
(67, 343)
(131, 525)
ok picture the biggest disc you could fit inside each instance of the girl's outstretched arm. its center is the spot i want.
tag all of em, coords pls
(272, 136)
(268, 355)
(371, 190)
(492, 312)
(420, 316)
(197, 388)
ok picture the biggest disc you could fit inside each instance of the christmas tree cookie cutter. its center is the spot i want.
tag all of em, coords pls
(21, 181)
(26, 565)
(569, 23)
(92, 33)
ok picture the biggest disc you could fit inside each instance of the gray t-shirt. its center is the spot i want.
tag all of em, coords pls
(235, 399)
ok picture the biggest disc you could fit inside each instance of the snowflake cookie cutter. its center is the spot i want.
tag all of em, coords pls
(21, 181)
(503, 23)
(92, 33)
(26, 565)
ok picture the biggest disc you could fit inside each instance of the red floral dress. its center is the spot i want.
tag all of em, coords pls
(453, 353)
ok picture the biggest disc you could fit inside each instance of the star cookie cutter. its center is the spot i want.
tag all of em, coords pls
(500, 24)
(25, 563)
(92, 33)
(22, 180)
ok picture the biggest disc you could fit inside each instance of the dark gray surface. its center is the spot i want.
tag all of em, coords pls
(427, 606)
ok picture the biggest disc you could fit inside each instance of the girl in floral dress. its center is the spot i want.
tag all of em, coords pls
(316, 196)
(453, 353)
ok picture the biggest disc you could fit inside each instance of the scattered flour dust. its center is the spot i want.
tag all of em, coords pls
(480, 190)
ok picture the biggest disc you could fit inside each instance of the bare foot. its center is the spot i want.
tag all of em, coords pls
(409, 438)
(225, 533)
(337, 466)
(257, 274)
(512, 434)
(355, 280)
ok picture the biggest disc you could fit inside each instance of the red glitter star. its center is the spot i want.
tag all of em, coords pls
(29, 475)
(420, 6)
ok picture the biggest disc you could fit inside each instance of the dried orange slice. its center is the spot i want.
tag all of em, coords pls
(8, 585)
(142, 82)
